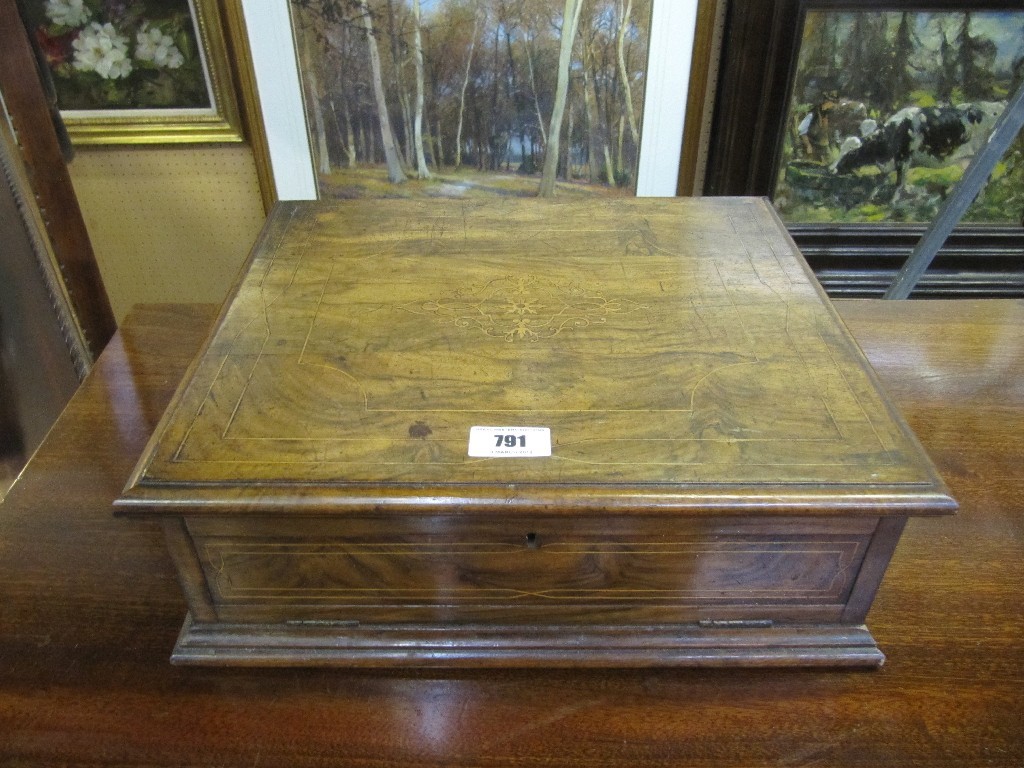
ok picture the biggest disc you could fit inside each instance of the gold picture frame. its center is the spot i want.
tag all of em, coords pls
(218, 120)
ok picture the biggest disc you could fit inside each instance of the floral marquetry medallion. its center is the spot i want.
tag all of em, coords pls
(524, 308)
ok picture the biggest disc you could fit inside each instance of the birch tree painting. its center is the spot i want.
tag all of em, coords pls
(456, 98)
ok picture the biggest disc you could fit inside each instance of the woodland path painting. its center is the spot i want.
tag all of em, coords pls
(887, 110)
(471, 98)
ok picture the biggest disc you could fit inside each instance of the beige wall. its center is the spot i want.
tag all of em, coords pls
(168, 224)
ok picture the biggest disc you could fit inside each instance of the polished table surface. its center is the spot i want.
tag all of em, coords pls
(89, 610)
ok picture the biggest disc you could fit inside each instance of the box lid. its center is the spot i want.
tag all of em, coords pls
(679, 350)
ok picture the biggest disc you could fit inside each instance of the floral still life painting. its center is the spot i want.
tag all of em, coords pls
(108, 55)
(887, 110)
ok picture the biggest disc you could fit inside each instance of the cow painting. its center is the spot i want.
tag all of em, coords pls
(914, 132)
(887, 109)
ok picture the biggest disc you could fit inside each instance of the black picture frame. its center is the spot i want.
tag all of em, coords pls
(758, 63)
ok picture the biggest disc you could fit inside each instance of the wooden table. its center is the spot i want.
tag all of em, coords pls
(89, 610)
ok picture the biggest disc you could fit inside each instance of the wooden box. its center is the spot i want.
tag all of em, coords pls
(726, 483)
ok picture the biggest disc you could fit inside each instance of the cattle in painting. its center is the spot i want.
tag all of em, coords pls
(919, 136)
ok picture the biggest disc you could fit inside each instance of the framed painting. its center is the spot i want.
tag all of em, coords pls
(137, 71)
(497, 64)
(857, 119)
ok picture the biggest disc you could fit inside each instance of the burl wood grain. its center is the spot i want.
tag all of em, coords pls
(679, 351)
(90, 608)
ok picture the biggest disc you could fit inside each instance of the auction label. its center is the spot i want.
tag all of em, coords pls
(509, 442)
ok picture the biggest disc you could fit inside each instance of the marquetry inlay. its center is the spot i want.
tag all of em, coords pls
(602, 571)
(524, 307)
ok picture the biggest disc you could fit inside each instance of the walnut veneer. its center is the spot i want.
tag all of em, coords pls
(726, 484)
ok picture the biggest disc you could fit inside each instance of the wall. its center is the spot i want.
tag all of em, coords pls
(168, 224)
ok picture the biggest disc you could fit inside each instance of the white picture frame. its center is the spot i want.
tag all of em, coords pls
(275, 65)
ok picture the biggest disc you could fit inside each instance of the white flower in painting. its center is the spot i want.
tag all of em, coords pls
(102, 49)
(151, 44)
(67, 13)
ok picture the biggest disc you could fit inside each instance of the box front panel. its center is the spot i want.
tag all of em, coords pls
(530, 570)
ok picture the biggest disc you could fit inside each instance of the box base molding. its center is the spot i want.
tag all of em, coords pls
(340, 644)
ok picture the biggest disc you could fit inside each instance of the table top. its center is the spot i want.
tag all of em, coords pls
(678, 350)
(90, 608)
